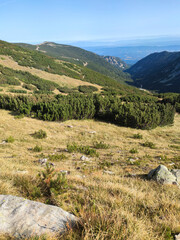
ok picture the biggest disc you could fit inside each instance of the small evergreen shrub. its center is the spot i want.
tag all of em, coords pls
(17, 91)
(101, 145)
(10, 139)
(51, 182)
(87, 89)
(37, 148)
(40, 134)
(57, 157)
(137, 136)
(133, 150)
(149, 144)
(82, 149)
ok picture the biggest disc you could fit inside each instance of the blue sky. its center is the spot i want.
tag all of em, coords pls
(82, 20)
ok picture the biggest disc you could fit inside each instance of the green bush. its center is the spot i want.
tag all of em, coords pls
(57, 157)
(133, 150)
(82, 149)
(17, 91)
(40, 134)
(51, 182)
(137, 136)
(10, 139)
(37, 148)
(87, 89)
(149, 144)
(100, 145)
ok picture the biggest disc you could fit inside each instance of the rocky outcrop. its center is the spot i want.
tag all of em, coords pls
(164, 176)
(23, 218)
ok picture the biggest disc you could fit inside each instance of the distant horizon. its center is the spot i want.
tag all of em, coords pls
(126, 42)
(88, 21)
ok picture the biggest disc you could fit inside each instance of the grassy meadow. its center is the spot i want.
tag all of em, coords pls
(108, 191)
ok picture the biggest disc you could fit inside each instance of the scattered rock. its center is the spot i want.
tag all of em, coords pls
(132, 161)
(162, 175)
(23, 218)
(176, 172)
(65, 172)
(177, 237)
(108, 172)
(43, 161)
(92, 132)
(171, 164)
(84, 158)
(3, 142)
(69, 126)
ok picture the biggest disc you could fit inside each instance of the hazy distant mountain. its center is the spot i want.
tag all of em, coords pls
(81, 57)
(117, 62)
(158, 71)
(131, 54)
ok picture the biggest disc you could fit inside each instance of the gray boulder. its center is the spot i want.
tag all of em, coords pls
(23, 218)
(177, 237)
(176, 173)
(162, 175)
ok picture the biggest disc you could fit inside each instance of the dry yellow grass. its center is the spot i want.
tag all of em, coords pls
(117, 206)
(7, 61)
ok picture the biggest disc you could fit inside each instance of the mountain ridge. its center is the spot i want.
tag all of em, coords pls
(81, 57)
(158, 71)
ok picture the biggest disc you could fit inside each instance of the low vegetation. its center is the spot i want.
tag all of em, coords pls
(40, 134)
(109, 192)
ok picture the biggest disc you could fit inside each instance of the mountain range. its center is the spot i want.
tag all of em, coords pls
(81, 57)
(158, 71)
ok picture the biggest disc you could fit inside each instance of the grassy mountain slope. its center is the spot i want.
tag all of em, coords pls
(158, 71)
(119, 204)
(81, 57)
(46, 67)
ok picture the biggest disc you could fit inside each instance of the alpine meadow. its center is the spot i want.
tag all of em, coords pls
(89, 120)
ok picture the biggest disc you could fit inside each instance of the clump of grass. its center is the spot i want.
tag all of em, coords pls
(133, 150)
(57, 157)
(101, 145)
(82, 149)
(37, 148)
(149, 145)
(47, 184)
(10, 139)
(40, 134)
(174, 146)
(19, 116)
(138, 136)
(28, 186)
(105, 164)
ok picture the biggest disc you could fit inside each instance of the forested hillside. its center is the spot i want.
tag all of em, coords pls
(158, 71)
(81, 57)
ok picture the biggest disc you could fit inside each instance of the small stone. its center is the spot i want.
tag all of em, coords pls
(42, 161)
(177, 237)
(108, 172)
(162, 175)
(131, 160)
(84, 158)
(65, 172)
(92, 132)
(69, 126)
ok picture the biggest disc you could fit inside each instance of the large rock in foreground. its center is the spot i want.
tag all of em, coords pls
(22, 218)
(162, 175)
